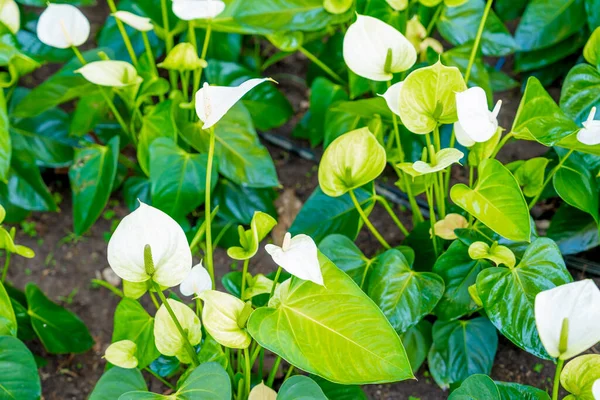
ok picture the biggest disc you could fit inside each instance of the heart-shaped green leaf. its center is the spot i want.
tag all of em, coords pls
(19, 377)
(342, 251)
(476, 386)
(579, 376)
(116, 382)
(298, 387)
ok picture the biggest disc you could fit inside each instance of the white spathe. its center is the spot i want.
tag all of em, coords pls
(213, 102)
(170, 250)
(392, 97)
(110, 73)
(476, 123)
(189, 10)
(10, 15)
(137, 22)
(298, 255)
(596, 389)
(262, 392)
(579, 302)
(590, 133)
(376, 50)
(197, 281)
(63, 26)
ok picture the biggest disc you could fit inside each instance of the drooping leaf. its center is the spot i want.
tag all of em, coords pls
(346, 341)
(508, 295)
(116, 382)
(19, 378)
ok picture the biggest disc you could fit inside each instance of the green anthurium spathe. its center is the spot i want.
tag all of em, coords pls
(166, 334)
(351, 161)
(337, 6)
(122, 354)
(183, 57)
(224, 317)
(581, 377)
(110, 73)
(443, 159)
(260, 226)
(428, 98)
(496, 253)
(444, 228)
(591, 51)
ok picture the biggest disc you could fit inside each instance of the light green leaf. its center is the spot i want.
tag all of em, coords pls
(496, 200)
(260, 226)
(444, 158)
(591, 51)
(530, 174)
(116, 382)
(8, 320)
(508, 295)
(339, 344)
(579, 375)
(300, 387)
(476, 386)
(19, 377)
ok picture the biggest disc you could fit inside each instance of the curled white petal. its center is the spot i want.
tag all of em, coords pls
(367, 44)
(141, 24)
(579, 302)
(10, 15)
(474, 117)
(461, 136)
(299, 257)
(63, 26)
(188, 10)
(392, 97)
(590, 133)
(170, 250)
(197, 281)
(110, 73)
(596, 389)
(213, 102)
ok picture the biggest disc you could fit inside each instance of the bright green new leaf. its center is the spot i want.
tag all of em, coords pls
(8, 320)
(287, 41)
(579, 376)
(404, 296)
(260, 226)
(483, 150)
(476, 386)
(508, 295)
(337, 6)
(116, 382)
(335, 345)
(591, 51)
(496, 200)
(351, 161)
(450, 361)
(428, 97)
(497, 253)
(122, 353)
(300, 387)
(530, 174)
(19, 377)
(443, 159)
(59, 330)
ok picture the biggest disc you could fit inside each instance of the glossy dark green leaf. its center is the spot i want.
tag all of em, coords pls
(508, 295)
(381, 10)
(322, 215)
(19, 377)
(267, 105)
(178, 178)
(237, 204)
(576, 185)
(535, 61)
(459, 271)
(345, 255)
(420, 241)
(5, 142)
(298, 387)
(515, 391)
(346, 342)
(547, 22)
(459, 25)
(404, 296)
(475, 387)
(134, 323)
(92, 175)
(116, 382)
(510, 9)
(88, 113)
(451, 361)
(25, 329)
(59, 330)
(593, 13)
(157, 123)
(500, 81)
(580, 92)
(136, 188)
(165, 366)
(417, 341)
(573, 230)
(496, 200)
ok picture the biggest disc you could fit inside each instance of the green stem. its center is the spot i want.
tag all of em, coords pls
(207, 209)
(117, 114)
(202, 229)
(168, 40)
(198, 307)
(6, 264)
(255, 354)
(486, 11)
(244, 273)
(504, 140)
(149, 53)
(397, 131)
(121, 27)
(160, 378)
(105, 285)
(202, 56)
(556, 387)
(549, 178)
(432, 219)
(367, 222)
(275, 280)
(154, 301)
(273, 372)
(289, 372)
(78, 55)
(388, 208)
(434, 19)
(187, 344)
(247, 370)
(321, 65)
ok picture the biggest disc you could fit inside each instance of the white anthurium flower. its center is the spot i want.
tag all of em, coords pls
(298, 255)
(167, 337)
(122, 354)
(189, 10)
(376, 50)
(110, 73)
(10, 15)
(149, 228)
(590, 133)
(596, 389)
(141, 24)
(262, 392)
(476, 123)
(197, 281)
(213, 102)
(572, 309)
(63, 26)
(392, 97)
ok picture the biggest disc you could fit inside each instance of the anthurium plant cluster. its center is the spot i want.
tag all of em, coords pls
(166, 110)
